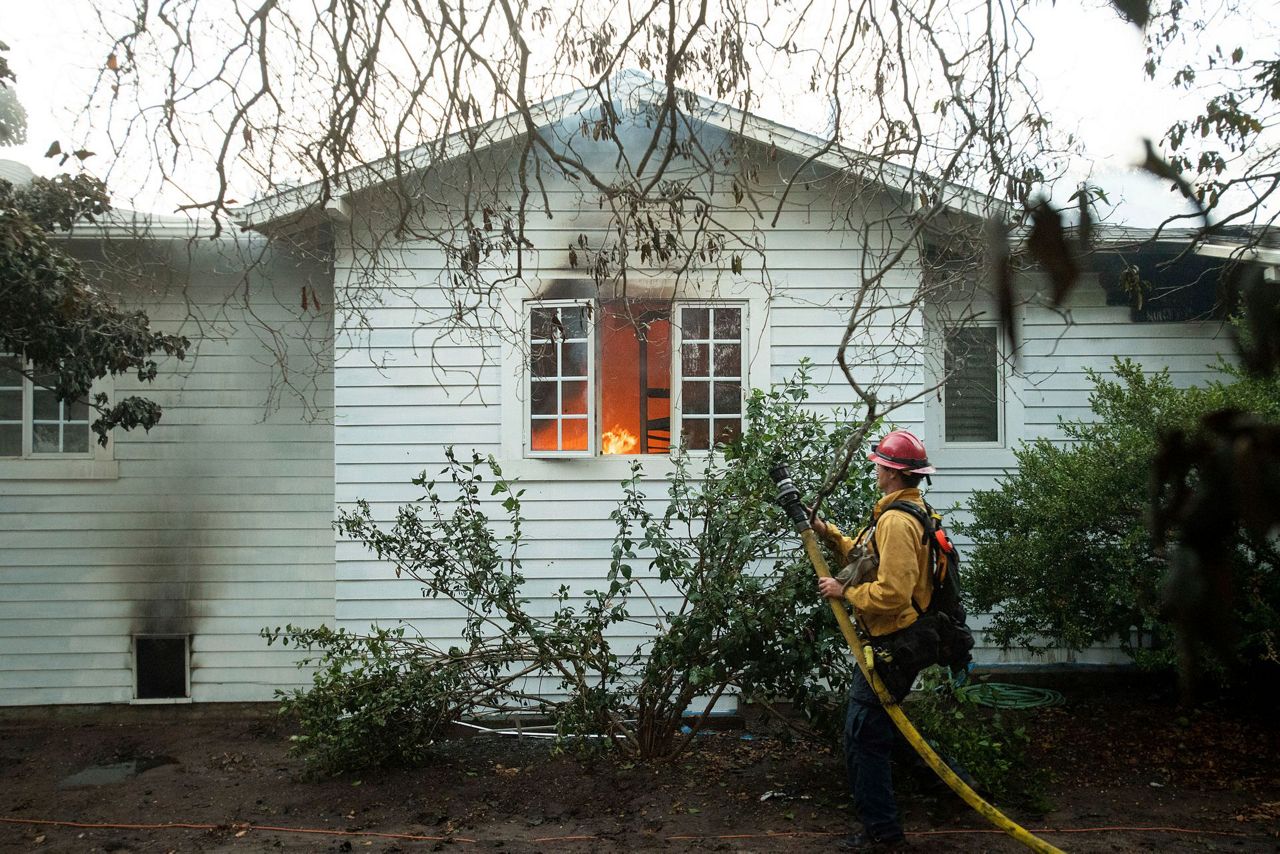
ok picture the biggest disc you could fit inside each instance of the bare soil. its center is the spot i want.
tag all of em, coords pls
(1124, 773)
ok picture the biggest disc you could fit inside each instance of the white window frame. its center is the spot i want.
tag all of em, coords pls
(1002, 383)
(593, 403)
(677, 368)
(97, 462)
(1011, 417)
(516, 435)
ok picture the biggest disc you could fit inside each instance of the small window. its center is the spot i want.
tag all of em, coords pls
(602, 376)
(33, 422)
(971, 392)
(160, 667)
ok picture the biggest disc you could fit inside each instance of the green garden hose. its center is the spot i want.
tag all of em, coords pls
(1002, 695)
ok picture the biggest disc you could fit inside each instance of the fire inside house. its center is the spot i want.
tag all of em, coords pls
(627, 348)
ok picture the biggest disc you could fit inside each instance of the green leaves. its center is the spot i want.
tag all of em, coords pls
(55, 318)
(1062, 552)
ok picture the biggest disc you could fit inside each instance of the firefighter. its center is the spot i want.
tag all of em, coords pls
(886, 600)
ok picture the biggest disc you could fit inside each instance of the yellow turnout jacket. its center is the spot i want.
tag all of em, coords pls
(884, 604)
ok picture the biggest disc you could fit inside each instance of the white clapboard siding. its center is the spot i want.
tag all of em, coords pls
(219, 522)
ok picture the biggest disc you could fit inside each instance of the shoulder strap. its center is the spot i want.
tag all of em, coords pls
(923, 515)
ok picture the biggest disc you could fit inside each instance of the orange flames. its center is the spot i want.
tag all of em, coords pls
(619, 440)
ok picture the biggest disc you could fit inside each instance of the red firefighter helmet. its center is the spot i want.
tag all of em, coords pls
(903, 451)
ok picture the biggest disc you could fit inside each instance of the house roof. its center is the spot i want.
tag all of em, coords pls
(292, 203)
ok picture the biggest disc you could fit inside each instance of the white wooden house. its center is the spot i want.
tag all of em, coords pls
(173, 550)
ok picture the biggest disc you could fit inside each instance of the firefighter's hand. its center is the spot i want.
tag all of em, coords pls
(830, 588)
(820, 527)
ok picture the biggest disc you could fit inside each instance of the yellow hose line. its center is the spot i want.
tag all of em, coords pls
(863, 655)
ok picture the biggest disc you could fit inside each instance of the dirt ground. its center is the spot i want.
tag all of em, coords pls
(1124, 774)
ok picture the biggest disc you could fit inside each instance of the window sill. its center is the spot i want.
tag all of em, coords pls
(53, 469)
(161, 701)
(610, 468)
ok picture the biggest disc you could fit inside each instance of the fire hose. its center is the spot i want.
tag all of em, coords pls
(789, 498)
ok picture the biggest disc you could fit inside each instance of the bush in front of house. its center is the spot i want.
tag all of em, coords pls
(707, 573)
(746, 615)
(376, 700)
(1062, 550)
(988, 743)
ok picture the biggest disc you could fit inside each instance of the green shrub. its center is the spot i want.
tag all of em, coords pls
(373, 702)
(989, 744)
(715, 574)
(749, 616)
(1062, 553)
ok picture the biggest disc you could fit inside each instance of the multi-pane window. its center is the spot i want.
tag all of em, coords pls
(604, 377)
(710, 375)
(560, 378)
(33, 422)
(971, 392)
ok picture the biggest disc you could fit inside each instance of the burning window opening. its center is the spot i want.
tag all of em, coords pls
(161, 666)
(620, 368)
(635, 377)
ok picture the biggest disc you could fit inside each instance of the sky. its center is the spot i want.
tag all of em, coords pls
(1089, 64)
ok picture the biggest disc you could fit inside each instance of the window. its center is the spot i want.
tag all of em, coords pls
(624, 376)
(34, 423)
(710, 375)
(971, 393)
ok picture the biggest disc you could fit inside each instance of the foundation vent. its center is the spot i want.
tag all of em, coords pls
(161, 667)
